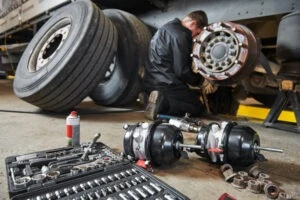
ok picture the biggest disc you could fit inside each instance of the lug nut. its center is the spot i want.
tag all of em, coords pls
(255, 171)
(263, 176)
(254, 186)
(227, 171)
(284, 196)
(264, 182)
(238, 182)
(244, 175)
(271, 190)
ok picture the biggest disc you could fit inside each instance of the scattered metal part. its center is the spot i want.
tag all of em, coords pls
(225, 167)
(238, 182)
(284, 196)
(255, 171)
(243, 174)
(227, 172)
(264, 182)
(254, 186)
(263, 176)
(271, 190)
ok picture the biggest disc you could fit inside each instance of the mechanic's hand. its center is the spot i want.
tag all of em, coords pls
(208, 87)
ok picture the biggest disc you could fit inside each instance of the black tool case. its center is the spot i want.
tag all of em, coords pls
(63, 173)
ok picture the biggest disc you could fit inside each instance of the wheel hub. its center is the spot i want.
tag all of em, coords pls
(219, 51)
(51, 47)
(110, 70)
(224, 51)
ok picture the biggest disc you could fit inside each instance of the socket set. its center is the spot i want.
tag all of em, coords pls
(127, 182)
(89, 171)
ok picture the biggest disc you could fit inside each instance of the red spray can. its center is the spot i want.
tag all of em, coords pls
(73, 129)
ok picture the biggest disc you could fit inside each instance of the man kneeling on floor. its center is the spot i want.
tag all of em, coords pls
(168, 70)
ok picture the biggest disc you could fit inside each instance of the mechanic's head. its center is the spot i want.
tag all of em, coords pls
(195, 22)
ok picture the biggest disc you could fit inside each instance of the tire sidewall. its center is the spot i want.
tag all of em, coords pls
(126, 62)
(27, 83)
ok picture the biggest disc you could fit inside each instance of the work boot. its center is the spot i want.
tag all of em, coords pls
(155, 102)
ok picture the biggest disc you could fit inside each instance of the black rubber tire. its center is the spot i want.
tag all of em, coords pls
(78, 64)
(125, 83)
(288, 47)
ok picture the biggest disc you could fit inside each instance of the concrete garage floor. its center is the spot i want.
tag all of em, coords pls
(24, 129)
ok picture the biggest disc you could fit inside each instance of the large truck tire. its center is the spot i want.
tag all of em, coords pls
(123, 82)
(67, 57)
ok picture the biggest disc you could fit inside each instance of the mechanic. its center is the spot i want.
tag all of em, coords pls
(169, 68)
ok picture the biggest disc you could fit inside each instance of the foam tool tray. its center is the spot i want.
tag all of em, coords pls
(64, 174)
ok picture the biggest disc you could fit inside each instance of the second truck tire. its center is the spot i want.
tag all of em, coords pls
(123, 81)
(66, 58)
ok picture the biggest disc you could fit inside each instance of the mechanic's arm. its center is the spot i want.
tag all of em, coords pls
(183, 62)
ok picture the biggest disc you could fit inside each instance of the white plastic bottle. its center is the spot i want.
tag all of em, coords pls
(73, 129)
